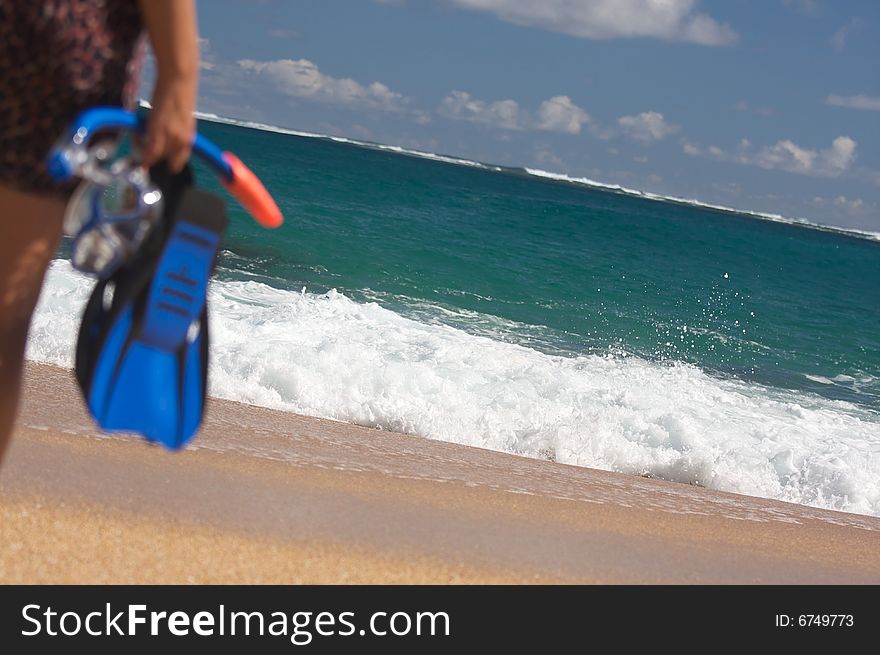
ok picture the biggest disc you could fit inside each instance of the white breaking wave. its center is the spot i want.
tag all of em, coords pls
(776, 218)
(214, 118)
(339, 139)
(416, 153)
(328, 356)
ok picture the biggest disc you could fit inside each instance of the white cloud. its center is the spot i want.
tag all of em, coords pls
(560, 114)
(505, 114)
(785, 155)
(691, 149)
(852, 206)
(206, 56)
(854, 102)
(855, 212)
(556, 114)
(841, 36)
(840, 156)
(844, 206)
(646, 127)
(302, 79)
(671, 20)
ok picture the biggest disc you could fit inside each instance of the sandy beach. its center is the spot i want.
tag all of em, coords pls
(271, 497)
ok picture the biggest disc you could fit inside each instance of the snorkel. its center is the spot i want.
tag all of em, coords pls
(69, 155)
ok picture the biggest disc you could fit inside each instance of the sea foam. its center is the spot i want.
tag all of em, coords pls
(326, 355)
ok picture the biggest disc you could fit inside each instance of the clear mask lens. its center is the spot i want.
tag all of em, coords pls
(110, 215)
(97, 252)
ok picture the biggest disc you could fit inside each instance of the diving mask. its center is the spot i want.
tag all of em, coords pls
(112, 210)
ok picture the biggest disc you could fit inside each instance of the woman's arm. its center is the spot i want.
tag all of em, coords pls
(171, 25)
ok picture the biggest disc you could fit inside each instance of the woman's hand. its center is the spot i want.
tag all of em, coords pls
(171, 125)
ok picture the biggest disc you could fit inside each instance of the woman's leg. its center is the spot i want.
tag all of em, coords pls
(30, 227)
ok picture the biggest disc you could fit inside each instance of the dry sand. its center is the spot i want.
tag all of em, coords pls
(271, 497)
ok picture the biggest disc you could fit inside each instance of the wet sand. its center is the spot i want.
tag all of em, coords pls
(272, 497)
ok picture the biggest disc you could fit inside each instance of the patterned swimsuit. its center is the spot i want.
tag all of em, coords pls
(58, 57)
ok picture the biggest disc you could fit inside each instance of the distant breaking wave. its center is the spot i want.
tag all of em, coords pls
(458, 161)
(776, 218)
(535, 172)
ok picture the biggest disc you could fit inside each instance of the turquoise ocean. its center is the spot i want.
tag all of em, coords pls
(550, 317)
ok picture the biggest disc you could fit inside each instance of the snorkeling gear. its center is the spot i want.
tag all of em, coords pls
(142, 349)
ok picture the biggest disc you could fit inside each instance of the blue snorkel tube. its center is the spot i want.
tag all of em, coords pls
(70, 153)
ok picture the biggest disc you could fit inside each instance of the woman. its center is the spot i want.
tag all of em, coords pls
(58, 57)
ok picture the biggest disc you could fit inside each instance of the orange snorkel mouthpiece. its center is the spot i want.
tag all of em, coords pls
(250, 192)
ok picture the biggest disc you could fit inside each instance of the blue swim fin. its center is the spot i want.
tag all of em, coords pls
(142, 350)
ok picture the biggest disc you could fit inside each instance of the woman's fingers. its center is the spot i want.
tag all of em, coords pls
(170, 131)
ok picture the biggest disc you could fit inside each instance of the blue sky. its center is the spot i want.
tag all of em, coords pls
(766, 105)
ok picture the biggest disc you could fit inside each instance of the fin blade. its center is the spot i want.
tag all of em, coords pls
(146, 370)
